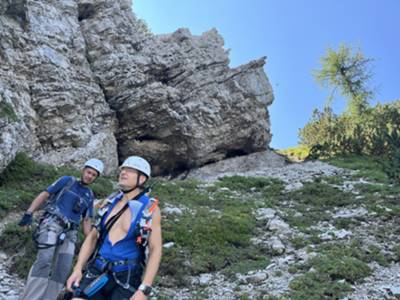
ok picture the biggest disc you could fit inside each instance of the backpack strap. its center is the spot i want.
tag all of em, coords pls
(103, 208)
(51, 206)
(56, 197)
(104, 229)
(144, 225)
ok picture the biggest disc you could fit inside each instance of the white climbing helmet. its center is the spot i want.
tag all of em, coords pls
(96, 164)
(137, 163)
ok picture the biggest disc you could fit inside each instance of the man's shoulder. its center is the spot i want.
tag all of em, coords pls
(67, 178)
(59, 183)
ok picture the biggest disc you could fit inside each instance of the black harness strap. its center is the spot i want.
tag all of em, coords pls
(107, 226)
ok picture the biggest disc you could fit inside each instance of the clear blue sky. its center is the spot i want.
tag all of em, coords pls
(293, 35)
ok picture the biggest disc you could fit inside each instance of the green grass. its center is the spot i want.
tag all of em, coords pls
(367, 166)
(204, 241)
(214, 233)
(6, 111)
(322, 195)
(355, 249)
(396, 253)
(314, 202)
(14, 239)
(211, 241)
(345, 267)
(299, 242)
(299, 153)
(316, 286)
(251, 184)
(346, 223)
(336, 266)
(381, 199)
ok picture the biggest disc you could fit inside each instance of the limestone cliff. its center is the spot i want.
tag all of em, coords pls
(82, 78)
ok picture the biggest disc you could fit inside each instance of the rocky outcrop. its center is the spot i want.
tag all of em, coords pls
(177, 101)
(60, 115)
(265, 164)
(86, 78)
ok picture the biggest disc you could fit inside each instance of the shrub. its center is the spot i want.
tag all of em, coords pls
(375, 132)
(316, 286)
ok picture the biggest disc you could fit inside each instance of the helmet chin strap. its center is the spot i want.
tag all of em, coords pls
(128, 191)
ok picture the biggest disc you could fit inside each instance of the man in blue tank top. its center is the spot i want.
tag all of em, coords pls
(114, 251)
(69, 201)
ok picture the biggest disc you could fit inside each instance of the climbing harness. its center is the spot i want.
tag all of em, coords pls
(51, 215)
(112, 268)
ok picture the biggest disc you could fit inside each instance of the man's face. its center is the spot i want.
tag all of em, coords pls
(88, 175)
(128, 178)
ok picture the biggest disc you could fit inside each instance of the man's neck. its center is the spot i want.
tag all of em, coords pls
(82, 182)
(130, 195)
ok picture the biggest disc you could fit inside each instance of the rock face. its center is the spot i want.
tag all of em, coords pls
(60, 115)
(81, 78)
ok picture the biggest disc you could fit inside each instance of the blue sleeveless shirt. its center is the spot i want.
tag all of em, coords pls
(127, 248)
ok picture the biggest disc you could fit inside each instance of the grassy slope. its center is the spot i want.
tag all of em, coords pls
(214, 229)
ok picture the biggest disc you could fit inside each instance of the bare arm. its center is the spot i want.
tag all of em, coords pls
(155, 249)
(84, 254)
(38, 201)
(87, 249)
(86, 226)
(155, 252)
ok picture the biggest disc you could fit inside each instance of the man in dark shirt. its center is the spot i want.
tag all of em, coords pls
(69, 201)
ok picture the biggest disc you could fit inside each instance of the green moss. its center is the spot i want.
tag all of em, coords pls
(23, 170)
(385, 210)
(245, 296)
(182, 193)
(375, 254)
(310, 216)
